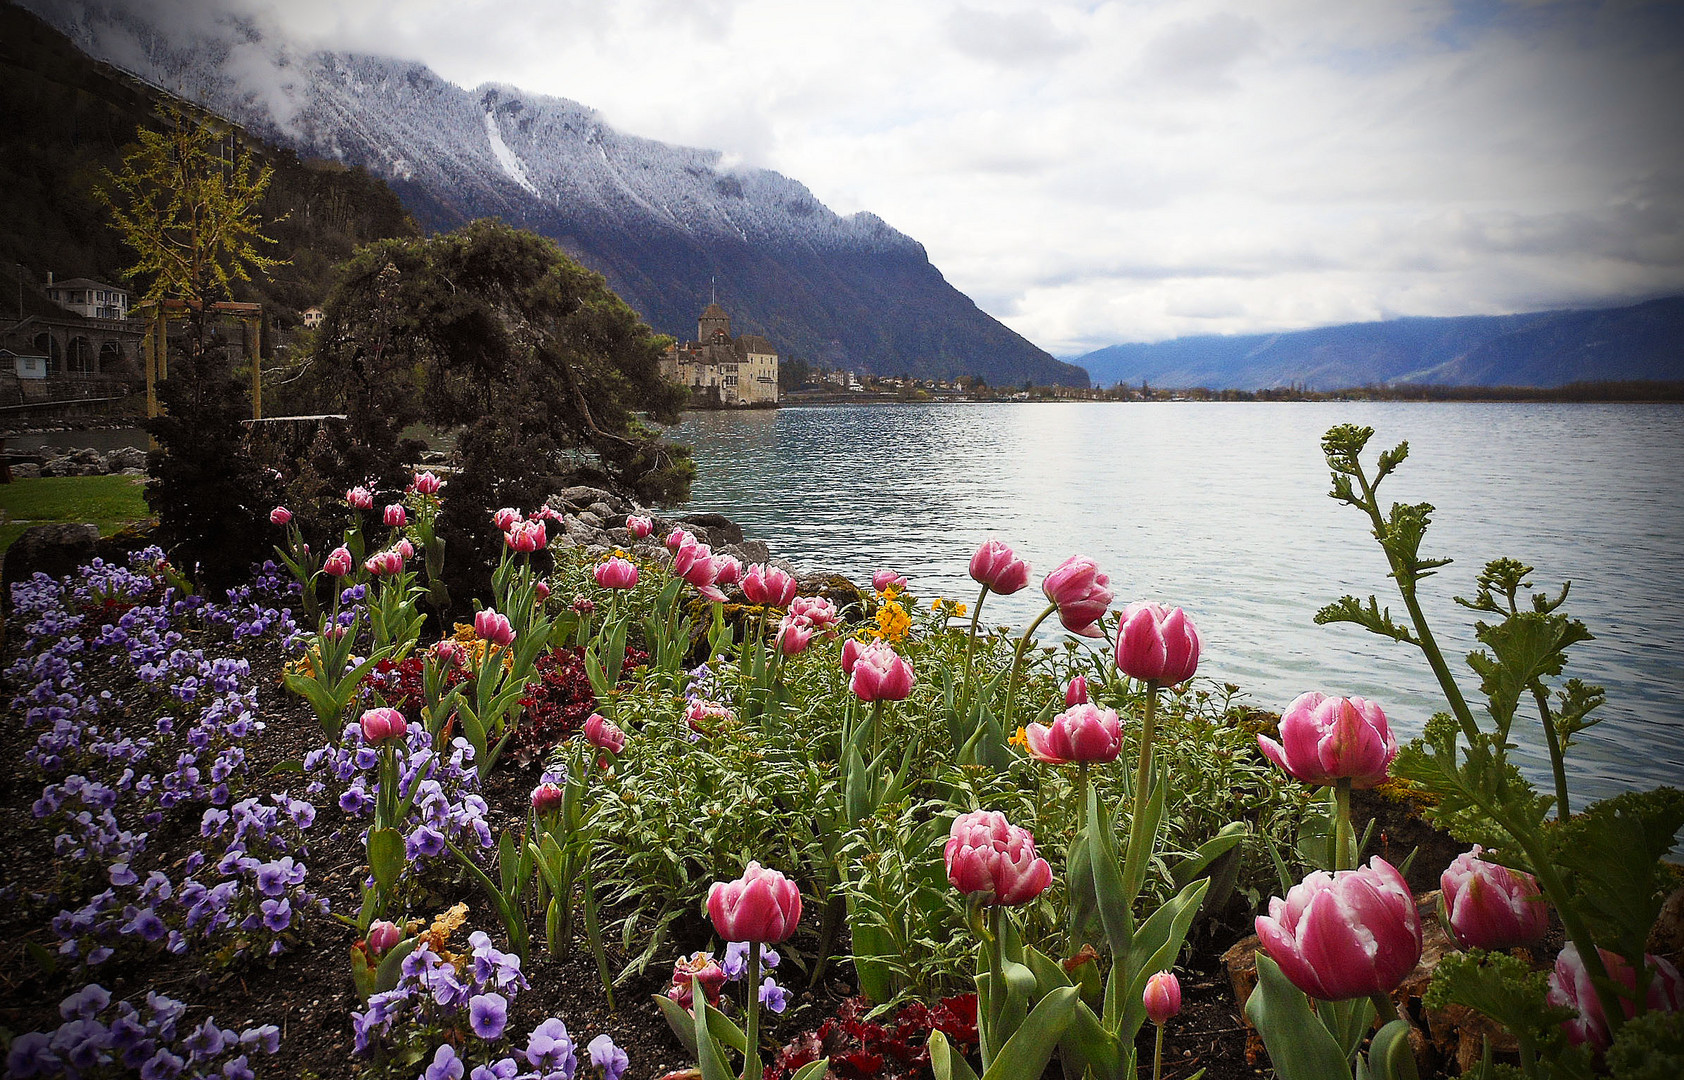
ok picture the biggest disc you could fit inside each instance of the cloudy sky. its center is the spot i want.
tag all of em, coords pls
(1097, 172)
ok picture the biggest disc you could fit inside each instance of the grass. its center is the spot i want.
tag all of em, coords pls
(110, 502)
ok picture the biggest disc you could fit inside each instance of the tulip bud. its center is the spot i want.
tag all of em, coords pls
(541, 590)
(996, 566)
(547, 799)
(1488, 906)
(617, 573)
(1571, 988)
(383, 936)
(1350, 934)
(604, 735)
(1157, 644)
(639, 526)
(338, 562)
(505, 518)
(360, 497)
(677, 539)
(1079, 590)
(884, 580)
(1079, 733)
(1325, 739)
(451, 653)
(994, 860)
(768, 586)
(881, 674)
(1076, 691)
(395, 516)
(493, 627)
(280, 515)
(425, 483)
(761, 906)
(383, 725)
(1162, 997)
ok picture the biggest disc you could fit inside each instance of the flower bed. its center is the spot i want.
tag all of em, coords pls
(655, 785)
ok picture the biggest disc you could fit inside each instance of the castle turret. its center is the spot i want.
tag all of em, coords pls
(712, 320)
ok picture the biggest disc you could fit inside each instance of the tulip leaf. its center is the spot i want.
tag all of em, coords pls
(1049, 973)
(1155, 947)
(390, 969)
(1087, 1048)
(1299, 1044)
(812, 1071)
(946, 1062)
(1031, 1046)
(708, 1057)
(1142, 833)
(1390, 1056)
(1208, 852)
(385, 856)
(1115, 905)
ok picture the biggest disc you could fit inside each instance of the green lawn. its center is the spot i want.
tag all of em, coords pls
(108, 501)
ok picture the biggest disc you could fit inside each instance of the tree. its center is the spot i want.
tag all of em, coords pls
(186, 204)
(495, 330)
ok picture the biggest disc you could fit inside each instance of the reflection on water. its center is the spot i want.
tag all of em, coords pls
(1222, 509)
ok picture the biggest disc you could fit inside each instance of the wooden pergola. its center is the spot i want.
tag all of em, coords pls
(156, 344)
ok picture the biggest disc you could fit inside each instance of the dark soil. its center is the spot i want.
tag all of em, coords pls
(307, 992)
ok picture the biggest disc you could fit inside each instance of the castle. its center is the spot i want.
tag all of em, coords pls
(740, 371)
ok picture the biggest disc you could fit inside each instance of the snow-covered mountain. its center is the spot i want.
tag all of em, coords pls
(664, 224)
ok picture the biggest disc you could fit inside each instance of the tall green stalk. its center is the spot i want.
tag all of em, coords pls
(1017, 663)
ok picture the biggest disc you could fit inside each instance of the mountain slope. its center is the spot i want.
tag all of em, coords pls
(1552, 348)
(664, 224)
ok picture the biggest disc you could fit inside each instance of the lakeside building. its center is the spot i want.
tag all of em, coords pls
(724, 369)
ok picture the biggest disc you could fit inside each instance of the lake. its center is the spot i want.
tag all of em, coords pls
(1221, 508)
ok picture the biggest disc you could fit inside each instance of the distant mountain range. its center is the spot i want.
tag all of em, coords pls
(666, 225)
(1550, 348)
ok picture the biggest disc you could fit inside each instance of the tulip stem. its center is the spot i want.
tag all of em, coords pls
(1143, 768)
(751, 1037)
(1158, 1056)
(996, 983)
(1345, 855)
(1558, 764)
(1017, 665)
(876, 730)
(970, 647)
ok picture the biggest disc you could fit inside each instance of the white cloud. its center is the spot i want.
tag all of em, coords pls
(1094, 171)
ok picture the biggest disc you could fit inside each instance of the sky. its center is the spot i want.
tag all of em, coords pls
(1101, 172)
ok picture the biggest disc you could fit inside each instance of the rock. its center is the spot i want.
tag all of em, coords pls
(27, 470)
(716, 530)
(131, 472)
(601, 509)
(835, 588)
(55, 550)
(1666, 937)
(579, 495)
(749, 551)
(586, 517)
(125, 458)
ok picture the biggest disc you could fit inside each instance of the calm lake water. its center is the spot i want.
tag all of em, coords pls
(1222, 509)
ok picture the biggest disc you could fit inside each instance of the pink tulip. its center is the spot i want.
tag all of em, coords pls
(817, 610)
(541, 590)
(1076, 691)
(395, 516)
(505, 518)
(604, 735)
(1162, 997)
(1080, 733)
(1571, 987)
(994, 860)
(998, 567)
(383, 725)
(694, 563)
(727, 569)
(1324, 739)
(405, 550)
(761, 906)
(768, 586)
(881, 674)
(425, 483)
(701, 715)
(1349, 934)
(360, 497)
(547, 799)
(677, 539)
(451, 653)
(493, 627)
(280, 515)
(1078, 588)
(338, 562)
(383, 936)
(639, 526)
(1488, 906)
(884, 580)
(852, 649)
(617, 573)
(382, 563)
(526, 536)
(794, 634)
(706, 973)
(1157, 643)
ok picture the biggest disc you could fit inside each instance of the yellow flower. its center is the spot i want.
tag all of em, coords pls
(1020, 739)
(893, 623)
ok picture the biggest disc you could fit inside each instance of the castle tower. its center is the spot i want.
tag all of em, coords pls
(712, 320)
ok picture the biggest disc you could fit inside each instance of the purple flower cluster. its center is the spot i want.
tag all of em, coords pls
(251, 900)
(443, 792)
(165, 731)
(99, 1038)
(735, 966)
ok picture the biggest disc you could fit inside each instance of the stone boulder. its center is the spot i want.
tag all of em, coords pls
(25, 470)
(56, 550)
(715, 530)
(124, 459)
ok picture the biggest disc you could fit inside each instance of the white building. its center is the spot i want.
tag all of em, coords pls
(93, 299)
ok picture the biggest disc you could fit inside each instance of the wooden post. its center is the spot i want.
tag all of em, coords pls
(254, 349)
